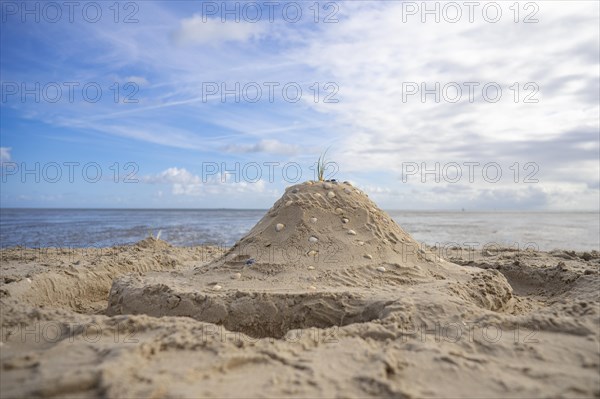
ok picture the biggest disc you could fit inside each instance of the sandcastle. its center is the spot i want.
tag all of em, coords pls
(326, 225)
(324, 255)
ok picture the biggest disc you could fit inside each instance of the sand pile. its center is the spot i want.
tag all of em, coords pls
(330, 223)
(324, 255)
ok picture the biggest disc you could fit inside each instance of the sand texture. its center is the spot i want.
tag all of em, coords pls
(325, 297)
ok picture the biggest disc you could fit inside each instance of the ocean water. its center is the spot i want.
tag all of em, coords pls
(76, 228)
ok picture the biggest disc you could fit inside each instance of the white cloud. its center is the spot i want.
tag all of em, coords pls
(371, 65)
(185, 183)
(268, 146)
(5, 154)
(202, 30)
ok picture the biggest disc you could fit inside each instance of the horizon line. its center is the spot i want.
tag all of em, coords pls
(266, 209)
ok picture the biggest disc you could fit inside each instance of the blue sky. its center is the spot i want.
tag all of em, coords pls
(163, 133)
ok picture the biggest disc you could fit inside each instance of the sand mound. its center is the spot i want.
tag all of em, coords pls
(330, 223)
(324, 255)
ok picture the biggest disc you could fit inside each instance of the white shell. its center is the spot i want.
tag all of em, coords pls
(312, 253)
(290, 202)
(318, 195)
(311, 268)
(345, 220)
(216, 287)
(368, 256)
(279, 226)
(381, 269)
(331, 194)
(313, 239)
(327, 185)
(361, 243)
(236, 276)
(313, 220)
(352, 232)
(312, 287)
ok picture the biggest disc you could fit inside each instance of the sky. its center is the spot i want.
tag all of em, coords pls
(191, 104)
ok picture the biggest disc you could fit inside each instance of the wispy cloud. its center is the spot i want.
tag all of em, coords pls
(200, 29)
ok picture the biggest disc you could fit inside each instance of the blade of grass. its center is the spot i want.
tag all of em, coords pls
(321, 165)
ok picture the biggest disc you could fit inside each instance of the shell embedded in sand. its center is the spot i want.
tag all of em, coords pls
(312, 287)
(313, 239)
(327, 186)
(216, 287)
(352, 232)
(347, 190)
(339, 211)
(279, 226)
(312, 252)
(331, 194)
(311, 268)
(313, 220)
(368, 256)
(361, 243)
(236, 276)
(380, 269)
(318, 195)
(345, 220)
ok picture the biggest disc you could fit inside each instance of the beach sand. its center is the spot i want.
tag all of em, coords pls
(325, 297)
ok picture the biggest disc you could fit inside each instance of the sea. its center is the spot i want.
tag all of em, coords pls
(82, 228)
